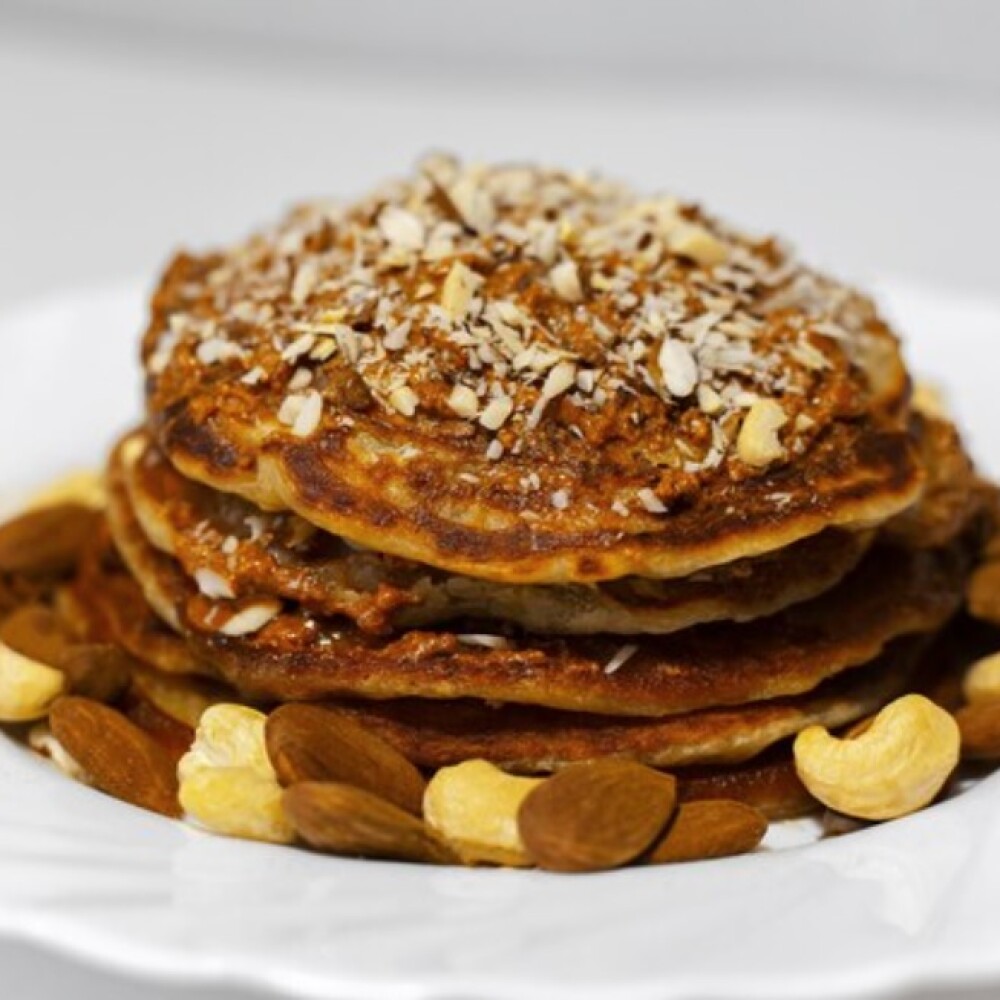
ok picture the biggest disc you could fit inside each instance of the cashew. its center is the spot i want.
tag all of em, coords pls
(227, 783)
(757, 443)
(27, 687)
(896, 766)
(236, 802)
(474, 807)
(982, 680)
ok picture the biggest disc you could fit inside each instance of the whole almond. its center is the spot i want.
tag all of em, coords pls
(312, 743)
(343, 819)
(99, 671)
(46, 541)
(118, 757)
(36, 631)
(710, 828)
(979, 726)
(596, 815)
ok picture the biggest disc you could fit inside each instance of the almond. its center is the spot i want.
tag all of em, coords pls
(979, 726)
(36, 631)
(343, 819)
(118, 757)
(312, 743)
(596, 815)
(99, 671)
(710, 828)
(46, 541)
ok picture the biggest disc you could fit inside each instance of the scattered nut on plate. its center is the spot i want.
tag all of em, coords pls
(896, 765)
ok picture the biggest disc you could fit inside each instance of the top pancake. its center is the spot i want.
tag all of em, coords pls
(527, 376)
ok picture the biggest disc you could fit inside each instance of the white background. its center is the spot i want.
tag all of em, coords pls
(867, 131)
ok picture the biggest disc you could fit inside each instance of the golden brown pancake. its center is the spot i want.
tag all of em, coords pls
(531, 377)
(953, 493)
(251, 552)
(113, 608)
(528, 739)
(291, 655)
(767, 782)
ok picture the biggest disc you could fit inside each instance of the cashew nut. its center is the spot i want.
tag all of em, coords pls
(27, 687)
(896, 766)
(474, 807)
(227, 783)
(982, 680)
(236, 802)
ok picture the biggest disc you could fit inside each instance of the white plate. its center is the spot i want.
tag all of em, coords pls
(911, 902)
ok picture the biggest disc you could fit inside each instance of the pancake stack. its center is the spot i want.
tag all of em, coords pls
(518, 464)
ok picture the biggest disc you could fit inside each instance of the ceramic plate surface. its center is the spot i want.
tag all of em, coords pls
(911, 902)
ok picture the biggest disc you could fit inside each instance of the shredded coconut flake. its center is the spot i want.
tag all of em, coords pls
(624, 654)
(212, 585)
(251, 619)
(650, 501)
(485, 640)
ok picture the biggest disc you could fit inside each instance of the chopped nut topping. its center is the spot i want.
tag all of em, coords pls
(460, 292)
(758, 443)
(678, 368)
(401, 228)
(309, 415)
(459, 287)
(697, 243)
(496, 412)
(650, 501)
(251, 619)
(212, 585)
(566, 281)
(464, 401)
(404, 400)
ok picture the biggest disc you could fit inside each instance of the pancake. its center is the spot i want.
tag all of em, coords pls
(291, 655)
(111, 607)
(953, 493)
(252, 552)
(593, 362)
(531, 740)
(767, 782)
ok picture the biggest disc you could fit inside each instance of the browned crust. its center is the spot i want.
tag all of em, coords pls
(857, 475)
(382, 594)
(529, 739)
(892, 593)
(768, 782)
(632, 470)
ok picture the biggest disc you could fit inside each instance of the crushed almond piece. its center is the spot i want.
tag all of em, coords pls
(757, 443)
(496, 412)
(401, 228)
(698, 244)
(565, 279)
(404, 400)
(463, 401)
(678, 368)
(251, 618)
(650, 501)
(458, 290)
